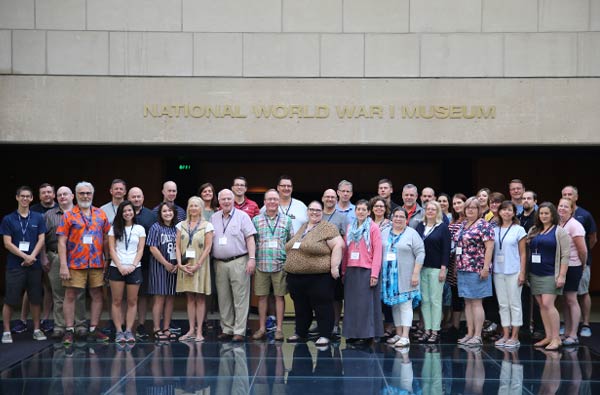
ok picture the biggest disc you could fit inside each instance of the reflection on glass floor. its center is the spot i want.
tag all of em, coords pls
(283, 368)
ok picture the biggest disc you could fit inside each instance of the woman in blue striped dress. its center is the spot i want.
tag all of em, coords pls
(162, 278)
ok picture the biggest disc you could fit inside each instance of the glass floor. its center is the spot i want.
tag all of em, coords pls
(267, 367)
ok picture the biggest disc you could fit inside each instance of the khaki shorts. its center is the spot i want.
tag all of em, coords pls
(94, 278)
(263, 282)
(584, 283)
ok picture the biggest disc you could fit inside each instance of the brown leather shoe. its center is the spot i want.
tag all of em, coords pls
(238, 338)
(224, 337)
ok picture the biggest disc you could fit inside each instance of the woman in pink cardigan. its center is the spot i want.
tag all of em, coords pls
(360, 269)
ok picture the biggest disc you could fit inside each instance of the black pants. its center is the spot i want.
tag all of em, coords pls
(312, 292)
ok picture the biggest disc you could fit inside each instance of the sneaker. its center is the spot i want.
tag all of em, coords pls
(38, 335)
(46, 326)
(585, 331)
(141, 333)
(120, 337)
(322, 341)
(174, 328)
(19, 327)
(97, 336)
(68, 338)
(129, 338)
(314, 329)
(510, 343)
(403, 342)
(6, 338)
(271, 323)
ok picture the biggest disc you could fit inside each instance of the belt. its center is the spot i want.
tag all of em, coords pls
(231, 259)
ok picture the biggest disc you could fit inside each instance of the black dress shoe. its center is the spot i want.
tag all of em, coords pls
(224, 337)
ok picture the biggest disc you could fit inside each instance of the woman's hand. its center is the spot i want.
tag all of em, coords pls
(484, 273)
(335, 273)
(373, 282)
(560, 281)
(442, 275)
(521, 279)
(414, 281)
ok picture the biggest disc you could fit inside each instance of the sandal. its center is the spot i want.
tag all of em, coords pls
(434, 338)
(570, 341)
(553, 346)
(160, 336)
(543, 343)
(464, 340)
(423, 338)
(187, 337)
(393, 340)
(475, 341)
(170, 336)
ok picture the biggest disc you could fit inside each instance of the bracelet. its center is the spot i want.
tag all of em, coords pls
(252, 257)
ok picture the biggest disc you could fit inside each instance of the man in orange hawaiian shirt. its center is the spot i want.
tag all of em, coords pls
(82, 241)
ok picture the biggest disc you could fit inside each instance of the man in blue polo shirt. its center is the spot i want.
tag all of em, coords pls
(23, 234)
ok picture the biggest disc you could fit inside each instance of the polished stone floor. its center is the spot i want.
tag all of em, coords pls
(282, 368)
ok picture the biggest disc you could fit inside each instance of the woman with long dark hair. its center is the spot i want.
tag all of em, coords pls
(126, 242)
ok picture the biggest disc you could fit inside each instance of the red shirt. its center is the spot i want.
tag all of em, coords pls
(249, 207)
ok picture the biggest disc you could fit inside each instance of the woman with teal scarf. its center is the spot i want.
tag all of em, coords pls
(403, 257)
(360, 269)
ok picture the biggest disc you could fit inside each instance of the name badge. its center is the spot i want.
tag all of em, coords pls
(390, 256)
(296, 245)
(190, 254)
(458, 250)
(272, 244)
(172, 255)
(24, 246)
(500, 258)
(354, 255)
(536, 258)
(223, 240)
(88, 239)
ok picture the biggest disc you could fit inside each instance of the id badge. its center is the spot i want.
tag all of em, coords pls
(223, 241)
(296, 245)
(536, 258)
(500, 258)
(354, 255)
(88, 239)
(190, 254)
(390, 256)
(172, 255)
(272, 244)
(24, 246)
(458, 250)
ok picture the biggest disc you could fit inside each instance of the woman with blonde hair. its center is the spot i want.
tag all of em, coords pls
(193, 245)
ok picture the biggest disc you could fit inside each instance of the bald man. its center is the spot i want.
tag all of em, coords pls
(169, 193)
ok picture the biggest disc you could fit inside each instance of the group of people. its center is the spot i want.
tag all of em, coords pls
(376, 261)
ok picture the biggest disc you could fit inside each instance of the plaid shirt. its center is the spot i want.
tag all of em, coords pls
(279, 229)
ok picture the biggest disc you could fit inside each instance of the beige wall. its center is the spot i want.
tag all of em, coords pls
(51, 109)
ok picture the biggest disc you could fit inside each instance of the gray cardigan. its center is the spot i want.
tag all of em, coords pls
(410, 251)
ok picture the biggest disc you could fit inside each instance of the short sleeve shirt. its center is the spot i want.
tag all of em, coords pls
(574, 229)
(507, 259)
(77, 227)
(128, 244)
(163, 238)
(22, 230)
(472, 241)
(230, 234)
(271, 236)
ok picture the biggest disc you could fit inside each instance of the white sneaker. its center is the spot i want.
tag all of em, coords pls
(38, 335)
(6, 338)
(322, 341)
(403, 342)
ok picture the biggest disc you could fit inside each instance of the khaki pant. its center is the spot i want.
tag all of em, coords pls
(233, 288)
(58, 296)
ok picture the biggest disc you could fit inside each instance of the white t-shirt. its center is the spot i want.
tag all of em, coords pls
(128, 245)
(507, 260)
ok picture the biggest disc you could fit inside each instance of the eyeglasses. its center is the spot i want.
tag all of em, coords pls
(314, 210)
(85, 193)
(378, 206)
(285, 186)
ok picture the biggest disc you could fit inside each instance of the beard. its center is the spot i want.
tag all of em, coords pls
(84, 204)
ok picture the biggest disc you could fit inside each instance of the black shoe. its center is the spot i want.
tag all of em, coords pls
(141, 333)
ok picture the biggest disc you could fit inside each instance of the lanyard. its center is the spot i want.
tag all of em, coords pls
(127, 240)
(331, 216)
(307, 231)
(288, 208)
(24, 230)
(192, 232)
(503, 237)
(425, 235)
(269, 225)
(228, 221)
(85, 221)
(393, 240)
